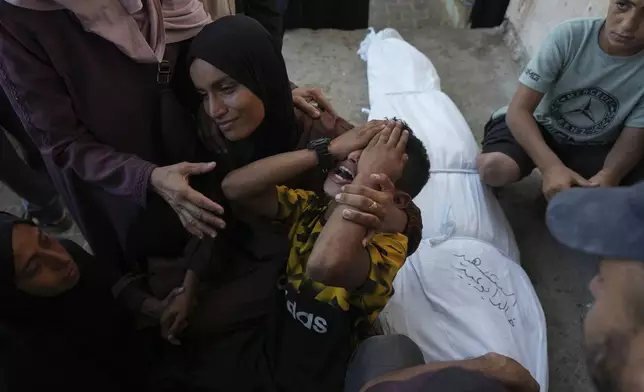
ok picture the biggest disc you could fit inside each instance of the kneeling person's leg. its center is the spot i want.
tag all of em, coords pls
(502, 160)
(380, 355)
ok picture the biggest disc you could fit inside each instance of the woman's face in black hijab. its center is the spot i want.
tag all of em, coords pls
(236, 110)
(43, 267)
(241, 73)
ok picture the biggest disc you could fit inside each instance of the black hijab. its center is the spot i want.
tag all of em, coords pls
(245, 51)
(7, 284)
(82, 329)
(74, 308)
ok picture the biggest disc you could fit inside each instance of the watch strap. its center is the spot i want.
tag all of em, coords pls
(321, 148)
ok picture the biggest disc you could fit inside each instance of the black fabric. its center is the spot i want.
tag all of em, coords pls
(177, 104)
(447, 380)
(7, 221)
(235, 362)
(327, 14)
(33, 362)
(243, 49)
(587, 161)
(498, 138)
(488, 13)
(313, 343)
(266, 12)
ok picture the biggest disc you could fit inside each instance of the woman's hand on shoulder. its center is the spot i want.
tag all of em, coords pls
(197, 213)
(311, 101)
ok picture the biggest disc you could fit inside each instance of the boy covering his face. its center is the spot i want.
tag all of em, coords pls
(335, 284)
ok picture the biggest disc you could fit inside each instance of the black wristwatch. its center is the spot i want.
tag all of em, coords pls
(321, 148)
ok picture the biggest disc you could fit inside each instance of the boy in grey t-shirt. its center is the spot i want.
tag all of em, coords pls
(578, 114)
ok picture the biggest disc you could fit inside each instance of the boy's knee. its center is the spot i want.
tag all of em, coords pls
(497, 169)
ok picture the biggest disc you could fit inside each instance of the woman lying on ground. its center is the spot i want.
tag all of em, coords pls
(66, 331)
(246, 96)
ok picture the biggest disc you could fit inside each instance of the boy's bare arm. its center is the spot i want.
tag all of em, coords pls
(253, 186)
(622, 158)
(339, 258)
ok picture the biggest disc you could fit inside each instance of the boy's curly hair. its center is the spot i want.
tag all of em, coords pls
(416, 172)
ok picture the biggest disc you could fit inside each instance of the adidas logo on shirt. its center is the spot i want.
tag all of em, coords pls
(308, 320)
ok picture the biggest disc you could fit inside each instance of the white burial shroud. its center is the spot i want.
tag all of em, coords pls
(463, 293)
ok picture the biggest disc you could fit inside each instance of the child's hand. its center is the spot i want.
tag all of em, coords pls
(385, 154)
(355, 139)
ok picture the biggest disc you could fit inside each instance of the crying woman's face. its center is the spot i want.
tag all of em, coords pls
(43, 267)
(236, 110)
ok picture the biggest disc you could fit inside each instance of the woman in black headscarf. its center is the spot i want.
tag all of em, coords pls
(235, 64)
(248, 115)
(57, 307)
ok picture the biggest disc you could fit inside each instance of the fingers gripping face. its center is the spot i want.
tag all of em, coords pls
(385, 153)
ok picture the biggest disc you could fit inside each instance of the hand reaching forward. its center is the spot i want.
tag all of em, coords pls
(197, 213)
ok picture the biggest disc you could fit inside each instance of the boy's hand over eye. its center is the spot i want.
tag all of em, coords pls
(385, 154)
(355, 139)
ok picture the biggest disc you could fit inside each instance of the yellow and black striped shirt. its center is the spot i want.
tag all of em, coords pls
(303, 212)
(318, 327)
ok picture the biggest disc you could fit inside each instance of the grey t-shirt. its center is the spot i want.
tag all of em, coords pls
(590, 96)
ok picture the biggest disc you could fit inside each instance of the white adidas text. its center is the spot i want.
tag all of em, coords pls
(308, 320)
